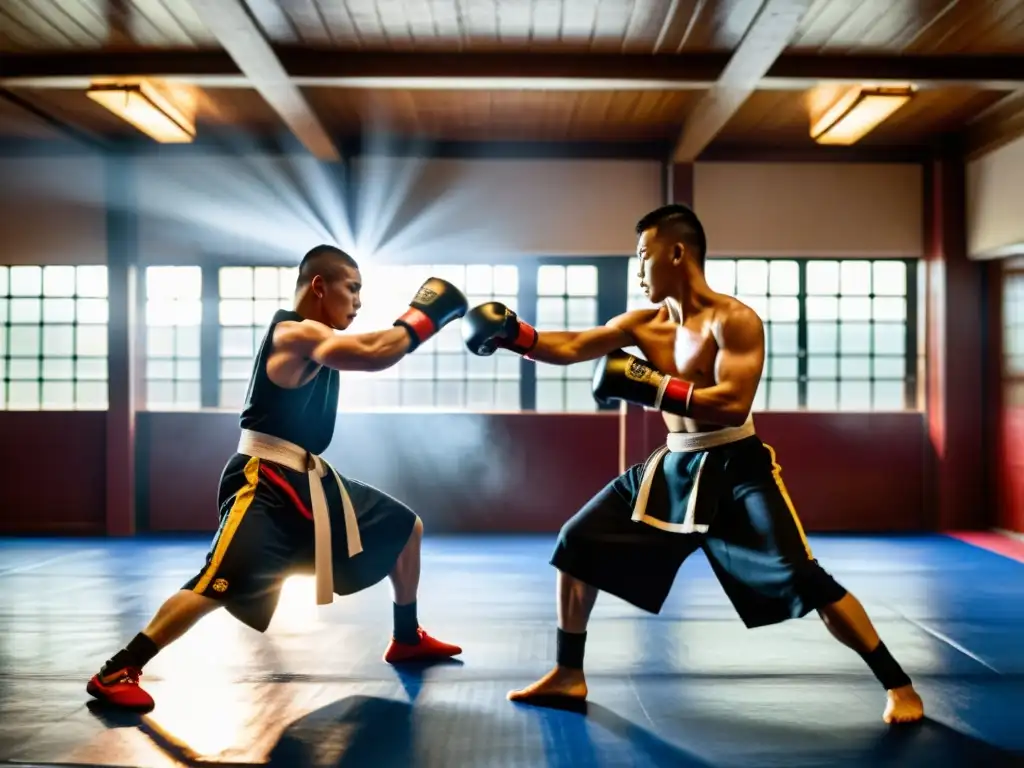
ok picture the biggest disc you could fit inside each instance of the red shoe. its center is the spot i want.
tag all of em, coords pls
(425, 650)
(120, 689)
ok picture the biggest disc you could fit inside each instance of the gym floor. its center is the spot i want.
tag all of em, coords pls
(691, 687)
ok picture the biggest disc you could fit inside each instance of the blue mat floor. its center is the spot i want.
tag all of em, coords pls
(690, 687)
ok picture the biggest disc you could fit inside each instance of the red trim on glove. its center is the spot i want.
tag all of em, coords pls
(678, 391)
(526, 339)
(420, 323)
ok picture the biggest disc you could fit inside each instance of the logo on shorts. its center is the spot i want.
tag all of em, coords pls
(219, 585)
(637, 371)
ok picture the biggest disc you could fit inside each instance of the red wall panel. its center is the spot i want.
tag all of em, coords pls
(531, 472)
(53, 475)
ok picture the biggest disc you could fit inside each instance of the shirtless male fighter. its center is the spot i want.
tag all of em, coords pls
(714, 485)
(277, 516)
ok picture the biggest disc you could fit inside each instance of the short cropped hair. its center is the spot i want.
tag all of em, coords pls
(679, 222)
(324, 260)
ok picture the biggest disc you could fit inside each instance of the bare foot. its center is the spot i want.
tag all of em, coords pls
(904, 705)
(560, 688)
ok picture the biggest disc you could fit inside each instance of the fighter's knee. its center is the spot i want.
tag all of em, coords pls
(819, 588)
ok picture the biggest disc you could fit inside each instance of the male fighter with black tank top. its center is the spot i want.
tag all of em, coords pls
(284, 510)
(713, 486)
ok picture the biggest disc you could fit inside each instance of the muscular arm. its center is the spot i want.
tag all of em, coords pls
(568, 347)
(740, 362)
(314, 341)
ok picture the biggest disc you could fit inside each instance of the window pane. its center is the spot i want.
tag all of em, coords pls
(58, 395)
(92, 282)
(582, 313)
(822, 337)
(478, 279)
(782, 367)
(581, 280)
(92, 310)
(59, 281)
(890, 309)
(783, 339)
(236, 313)
(720, 275)
(855, 337)
(551, 280)
(91, 395)
(820, 367)
(889, 396)
(26, 281)
(783, 396)
(854, 309)
(822, 308)
(58, 310)
(174, 315)
(752, 277)
(784, 309)
(855, 277)
(890, 338)
(25, 340)
(91, 368)
(506, 280)
(23, 395)
(579, 396)
(58, 368)
(822, 395)
(26, 310)
(551, 314)
(855, 395)
(890, 278)
(58, 339)
(855, 367)
(890, 368)
(550, 396)
(822, 278)
(784, 278)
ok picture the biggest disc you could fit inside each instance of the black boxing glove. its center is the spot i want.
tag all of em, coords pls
(436, 304)
(492, 325)
(620, 376)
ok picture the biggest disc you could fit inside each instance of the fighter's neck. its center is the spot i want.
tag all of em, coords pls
(687, 303)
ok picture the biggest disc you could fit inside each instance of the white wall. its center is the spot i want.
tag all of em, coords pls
(52, 210)
(811, 209)
(995, 189)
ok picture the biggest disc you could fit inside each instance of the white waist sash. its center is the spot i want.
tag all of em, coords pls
(298, 459)
(685, 442)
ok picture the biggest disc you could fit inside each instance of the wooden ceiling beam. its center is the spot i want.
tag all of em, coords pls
(241, 38)
(312, 66)
(766, 38)
(997, 126)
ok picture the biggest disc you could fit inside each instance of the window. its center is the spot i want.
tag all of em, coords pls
(174, 314)
(839, 334)
(441, 373)
(249, 297)
(566, 300)
(53, 338)
(770, 288)
(857, 346)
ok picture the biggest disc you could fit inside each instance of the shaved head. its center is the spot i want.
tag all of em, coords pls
(677, 223)
(324, 260)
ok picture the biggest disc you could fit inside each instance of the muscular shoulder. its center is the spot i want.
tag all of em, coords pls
(299, 337)
(630, 321)
(738, 326)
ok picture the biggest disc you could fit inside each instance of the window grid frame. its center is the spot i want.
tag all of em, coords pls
(40, 358)
(563, 378)
(177, 404)
(912, 351)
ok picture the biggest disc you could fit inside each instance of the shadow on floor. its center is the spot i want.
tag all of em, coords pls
(380, 732)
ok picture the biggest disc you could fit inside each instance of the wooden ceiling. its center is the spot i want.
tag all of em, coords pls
(694, 74)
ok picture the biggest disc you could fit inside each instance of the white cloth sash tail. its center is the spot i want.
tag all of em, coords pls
(685, 442)
(298, 459)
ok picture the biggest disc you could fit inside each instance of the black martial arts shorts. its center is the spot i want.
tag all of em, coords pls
(266, 535)
(749, 531)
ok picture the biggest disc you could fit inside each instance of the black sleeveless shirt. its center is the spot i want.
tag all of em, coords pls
(305, 415)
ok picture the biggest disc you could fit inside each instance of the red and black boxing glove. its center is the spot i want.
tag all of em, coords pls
(436, 304)
(620, 376)
(492, 325)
